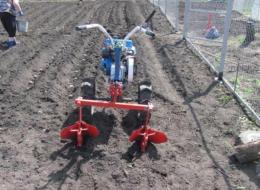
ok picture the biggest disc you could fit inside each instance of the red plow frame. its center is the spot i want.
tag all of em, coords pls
(144, 134)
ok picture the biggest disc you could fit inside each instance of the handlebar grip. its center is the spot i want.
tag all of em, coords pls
(150, 33)
(150, 16)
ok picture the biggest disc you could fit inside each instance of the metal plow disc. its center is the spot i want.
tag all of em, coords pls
(136, 134)
(147, 135)
(91, 130)
(157, 136)
(67, 132)
(79, 130)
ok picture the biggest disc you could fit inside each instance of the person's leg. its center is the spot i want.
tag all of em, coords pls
(3, 20)
(9, 23)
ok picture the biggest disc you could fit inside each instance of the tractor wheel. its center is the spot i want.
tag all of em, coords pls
(130, 69)
(144, 92)
(144, 97)
(88, 90)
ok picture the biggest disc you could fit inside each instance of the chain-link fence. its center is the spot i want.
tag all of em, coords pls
(226, 34)
(171, 9)
(204, 28)
(242, 65)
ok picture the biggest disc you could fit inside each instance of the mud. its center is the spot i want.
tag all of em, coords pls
(41, 77)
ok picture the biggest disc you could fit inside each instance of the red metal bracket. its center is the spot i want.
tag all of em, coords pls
(106, 104)
(145, 134)
(115, 91)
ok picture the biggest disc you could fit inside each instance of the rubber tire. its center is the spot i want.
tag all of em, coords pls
(144, 92)
(88, 90)
(130, 69)
(144, 97)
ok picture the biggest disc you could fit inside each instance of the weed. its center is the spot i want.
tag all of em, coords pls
(224, 99)
(247, 91)
(236, 41)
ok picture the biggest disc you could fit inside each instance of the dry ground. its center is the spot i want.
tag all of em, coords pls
(198, 115)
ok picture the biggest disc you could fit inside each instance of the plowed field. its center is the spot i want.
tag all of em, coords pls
(41, 77)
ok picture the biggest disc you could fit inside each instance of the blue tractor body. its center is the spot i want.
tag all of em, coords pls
(112, 62)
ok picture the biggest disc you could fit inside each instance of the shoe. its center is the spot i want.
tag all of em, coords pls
(10, 44)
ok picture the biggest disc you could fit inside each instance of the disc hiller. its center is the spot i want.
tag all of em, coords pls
(118, 57)
(144, 134)
(79, 130)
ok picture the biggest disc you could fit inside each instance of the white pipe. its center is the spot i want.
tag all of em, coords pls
(100, 27)
(136, 29)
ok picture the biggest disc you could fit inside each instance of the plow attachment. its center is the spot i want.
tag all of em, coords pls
(145, 135)
(79, 130)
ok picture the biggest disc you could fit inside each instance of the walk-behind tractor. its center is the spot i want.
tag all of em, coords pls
(118, 57)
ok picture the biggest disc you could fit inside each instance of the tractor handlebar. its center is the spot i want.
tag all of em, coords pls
(150, 17)
(90, 26)
(129, 35)
(150, 33)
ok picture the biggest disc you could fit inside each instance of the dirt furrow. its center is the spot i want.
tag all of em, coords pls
(39, 65)
(21, 50)
(41, 60)
(40, 80)
(46, 18)
(35, 10)
(38, 60)
(56, 73)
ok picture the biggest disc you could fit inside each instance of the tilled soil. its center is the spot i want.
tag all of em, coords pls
(41, 77)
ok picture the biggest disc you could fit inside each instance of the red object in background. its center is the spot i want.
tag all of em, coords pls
(209, 25)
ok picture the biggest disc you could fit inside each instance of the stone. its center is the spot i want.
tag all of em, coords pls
(249, 136)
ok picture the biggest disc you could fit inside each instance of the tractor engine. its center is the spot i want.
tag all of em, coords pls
(108, 62)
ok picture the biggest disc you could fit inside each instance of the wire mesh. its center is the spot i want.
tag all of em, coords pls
(205, 28)
(242, 66)
(171, 9)
(206, 21)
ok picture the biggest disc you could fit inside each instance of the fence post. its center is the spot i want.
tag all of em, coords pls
(186, 18)
(177, 15)
(225, 39)
(165, 8)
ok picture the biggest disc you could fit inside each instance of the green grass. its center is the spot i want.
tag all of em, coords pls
(245, 86)
(217, 57)
(257, 82)
(236, 41)
(248, 91)
(224, 99)
(247, 12)
(235, 81)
